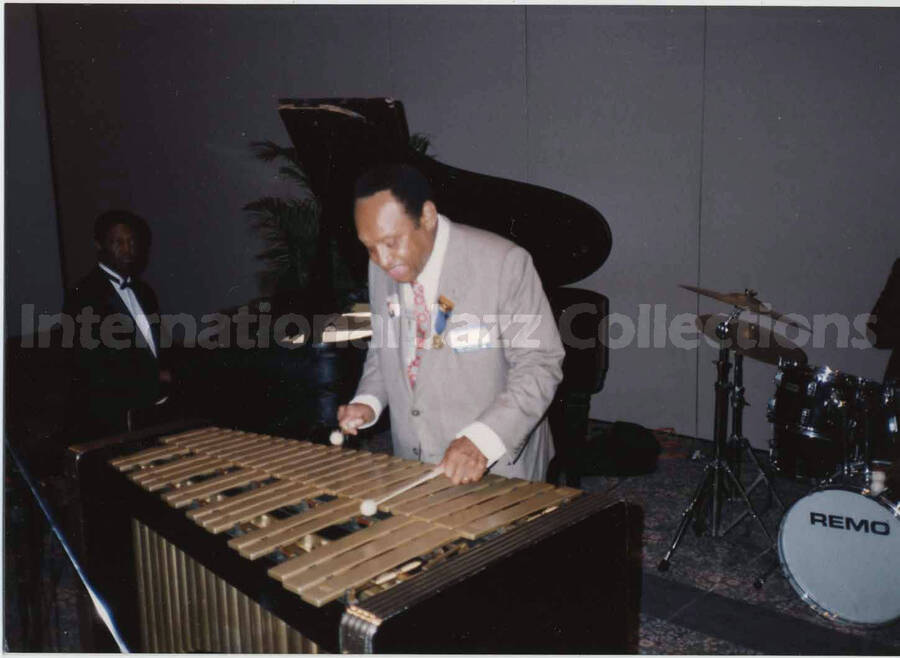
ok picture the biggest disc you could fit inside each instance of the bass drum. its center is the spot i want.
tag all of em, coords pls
(839, 548)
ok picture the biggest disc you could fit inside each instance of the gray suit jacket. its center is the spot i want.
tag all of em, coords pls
(506, 384)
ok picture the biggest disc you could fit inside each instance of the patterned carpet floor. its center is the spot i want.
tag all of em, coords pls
(704, 604)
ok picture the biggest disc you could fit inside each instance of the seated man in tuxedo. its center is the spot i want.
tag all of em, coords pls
(465, 350)
(116, 361)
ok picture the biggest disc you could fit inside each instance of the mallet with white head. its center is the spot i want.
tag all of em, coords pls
(338, 436)
(369, 506)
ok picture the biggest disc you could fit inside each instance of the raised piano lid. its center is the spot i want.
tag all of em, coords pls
(338, 138)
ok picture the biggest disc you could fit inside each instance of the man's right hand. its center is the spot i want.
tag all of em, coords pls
(351, 416)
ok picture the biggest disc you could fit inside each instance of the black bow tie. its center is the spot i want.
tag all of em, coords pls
(127, 282)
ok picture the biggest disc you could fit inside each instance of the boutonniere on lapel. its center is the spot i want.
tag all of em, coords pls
(445, 308)
(393, 306)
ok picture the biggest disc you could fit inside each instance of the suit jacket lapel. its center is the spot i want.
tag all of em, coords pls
(450, 284)
(117, 305)
(110, 294)
(395, 325)
(143, 295)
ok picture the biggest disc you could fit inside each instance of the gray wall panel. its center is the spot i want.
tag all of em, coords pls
(614, 119)
(800, 171)
(460, 73)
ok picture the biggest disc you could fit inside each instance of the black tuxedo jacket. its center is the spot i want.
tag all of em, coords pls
(112, 367)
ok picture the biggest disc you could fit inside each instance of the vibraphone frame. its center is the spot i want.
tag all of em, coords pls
(569, 584)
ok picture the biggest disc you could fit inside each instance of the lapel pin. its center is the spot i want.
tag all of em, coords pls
(445, 308)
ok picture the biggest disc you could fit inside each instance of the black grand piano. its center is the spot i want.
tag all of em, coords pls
(295, 392)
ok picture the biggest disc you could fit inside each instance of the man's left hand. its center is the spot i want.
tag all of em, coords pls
(463, 462)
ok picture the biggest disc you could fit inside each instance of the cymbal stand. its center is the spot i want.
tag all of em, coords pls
(717, 469)
(741, 444)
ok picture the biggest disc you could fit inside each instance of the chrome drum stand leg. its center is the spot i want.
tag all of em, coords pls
(742, 445)
(717, 470)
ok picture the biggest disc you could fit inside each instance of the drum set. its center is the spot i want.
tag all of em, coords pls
(838, 545)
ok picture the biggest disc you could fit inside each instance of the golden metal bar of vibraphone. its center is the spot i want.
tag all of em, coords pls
(271, 496)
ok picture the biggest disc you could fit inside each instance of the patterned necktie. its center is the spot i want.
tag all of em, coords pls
(422, 317)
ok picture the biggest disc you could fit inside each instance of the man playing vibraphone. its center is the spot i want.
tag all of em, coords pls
(465, 351)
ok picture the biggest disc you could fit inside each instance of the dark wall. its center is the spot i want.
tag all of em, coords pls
(727, 147)
(32, 270)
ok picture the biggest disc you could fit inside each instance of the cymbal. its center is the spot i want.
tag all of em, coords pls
(751, 340)
(747, 300)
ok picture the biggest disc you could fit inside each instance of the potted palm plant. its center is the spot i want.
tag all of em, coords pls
(289, 228)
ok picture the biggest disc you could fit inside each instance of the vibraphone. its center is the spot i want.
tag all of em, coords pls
(252, 543)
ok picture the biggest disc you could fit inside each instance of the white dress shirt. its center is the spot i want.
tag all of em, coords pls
(133, 305)
(484, 438)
